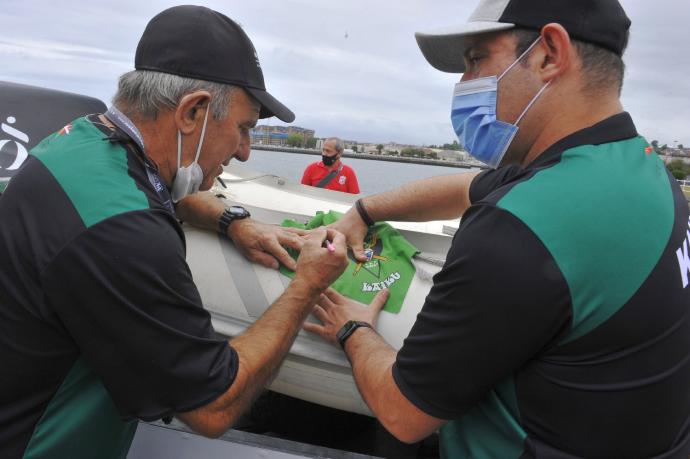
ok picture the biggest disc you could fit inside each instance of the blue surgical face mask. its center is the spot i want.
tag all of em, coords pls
(473, 114)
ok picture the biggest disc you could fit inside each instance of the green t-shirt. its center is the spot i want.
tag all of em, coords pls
(389, 266)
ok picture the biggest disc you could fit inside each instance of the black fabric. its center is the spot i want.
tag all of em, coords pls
(602, 22)
(501, 306)
(143, 171)
(118, 293)
(486, 296)
(615, 128)
(140, 325)
(35, 350)
(501, 180)
(492, 179)
(57, 108)
(198, 42)
(585, 378)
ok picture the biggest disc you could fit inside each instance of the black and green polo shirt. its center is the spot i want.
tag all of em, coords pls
(559, 326)
(100, 321)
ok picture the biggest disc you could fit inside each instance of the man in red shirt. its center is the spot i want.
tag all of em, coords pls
(330, 172)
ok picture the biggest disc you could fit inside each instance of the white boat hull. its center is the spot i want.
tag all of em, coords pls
(236, 292)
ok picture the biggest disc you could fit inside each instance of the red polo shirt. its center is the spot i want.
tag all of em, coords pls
(345, 181)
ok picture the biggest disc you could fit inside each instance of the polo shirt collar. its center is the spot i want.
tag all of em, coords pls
(613, 129)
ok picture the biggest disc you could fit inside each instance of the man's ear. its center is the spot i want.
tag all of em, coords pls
(191, 110)
(556, 52)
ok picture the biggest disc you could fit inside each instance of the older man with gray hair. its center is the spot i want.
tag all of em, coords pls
(330, 172)
(101, 322)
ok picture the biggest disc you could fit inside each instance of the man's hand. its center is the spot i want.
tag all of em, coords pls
(264, 244)
(316, 265)
(355, 230)
(334, 310)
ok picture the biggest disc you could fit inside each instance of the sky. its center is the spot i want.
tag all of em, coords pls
(349, 68)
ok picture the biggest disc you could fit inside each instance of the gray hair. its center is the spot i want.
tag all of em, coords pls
(146, 93)
(338, 144)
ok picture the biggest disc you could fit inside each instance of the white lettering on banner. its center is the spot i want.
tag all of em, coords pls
(22, 154)
(684, 258)
(378, 286)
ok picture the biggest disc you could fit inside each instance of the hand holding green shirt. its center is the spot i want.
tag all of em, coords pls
(389, 263)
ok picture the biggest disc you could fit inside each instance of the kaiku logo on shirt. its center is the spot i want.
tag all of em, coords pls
(12, 151)
(378, 286)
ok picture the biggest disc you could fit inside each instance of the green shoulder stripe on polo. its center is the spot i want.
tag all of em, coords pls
(489, 430)
(605, 213)
(80, 421)
(78, 160)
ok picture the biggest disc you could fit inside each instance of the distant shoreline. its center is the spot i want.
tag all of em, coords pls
(395, 159)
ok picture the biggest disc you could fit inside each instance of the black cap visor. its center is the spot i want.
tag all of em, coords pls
(270, 106)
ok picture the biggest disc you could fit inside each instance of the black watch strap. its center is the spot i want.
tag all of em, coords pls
(348, 329)
(230, 214)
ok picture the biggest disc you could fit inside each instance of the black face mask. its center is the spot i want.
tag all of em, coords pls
(329, 160)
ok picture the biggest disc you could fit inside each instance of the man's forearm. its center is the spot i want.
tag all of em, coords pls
(263, 345)
(372, 362)
(202, 210)
(371, 359)
(436, 198)
(260, 349)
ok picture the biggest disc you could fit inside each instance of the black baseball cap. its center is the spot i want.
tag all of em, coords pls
(601, 22)
(198, 42)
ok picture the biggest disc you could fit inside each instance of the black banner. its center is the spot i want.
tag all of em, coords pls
(28, 114)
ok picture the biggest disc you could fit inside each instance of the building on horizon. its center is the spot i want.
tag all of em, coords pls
(278, 135)
(450, 155)
(671, 154)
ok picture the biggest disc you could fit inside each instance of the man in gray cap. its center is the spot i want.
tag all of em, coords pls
(559, 326)
(100, 321)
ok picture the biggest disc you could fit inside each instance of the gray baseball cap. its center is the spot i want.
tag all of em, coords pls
(601, 22)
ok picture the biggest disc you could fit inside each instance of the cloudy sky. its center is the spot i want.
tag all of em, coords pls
(348, 68)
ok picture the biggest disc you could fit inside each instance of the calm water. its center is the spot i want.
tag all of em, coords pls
(373, 176)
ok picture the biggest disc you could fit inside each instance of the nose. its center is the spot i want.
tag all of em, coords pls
(244, 148)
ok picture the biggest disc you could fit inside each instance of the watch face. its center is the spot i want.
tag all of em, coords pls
(237, 211)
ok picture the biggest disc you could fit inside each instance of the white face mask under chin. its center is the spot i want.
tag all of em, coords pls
(188, 179)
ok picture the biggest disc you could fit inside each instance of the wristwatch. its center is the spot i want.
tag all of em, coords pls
(230, 214)
(348, 329)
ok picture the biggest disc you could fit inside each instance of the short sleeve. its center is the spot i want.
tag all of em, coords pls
(126, 297)
(352, 184)
(498, 301)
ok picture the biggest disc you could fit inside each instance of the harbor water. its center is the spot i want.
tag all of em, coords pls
(373, 176)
